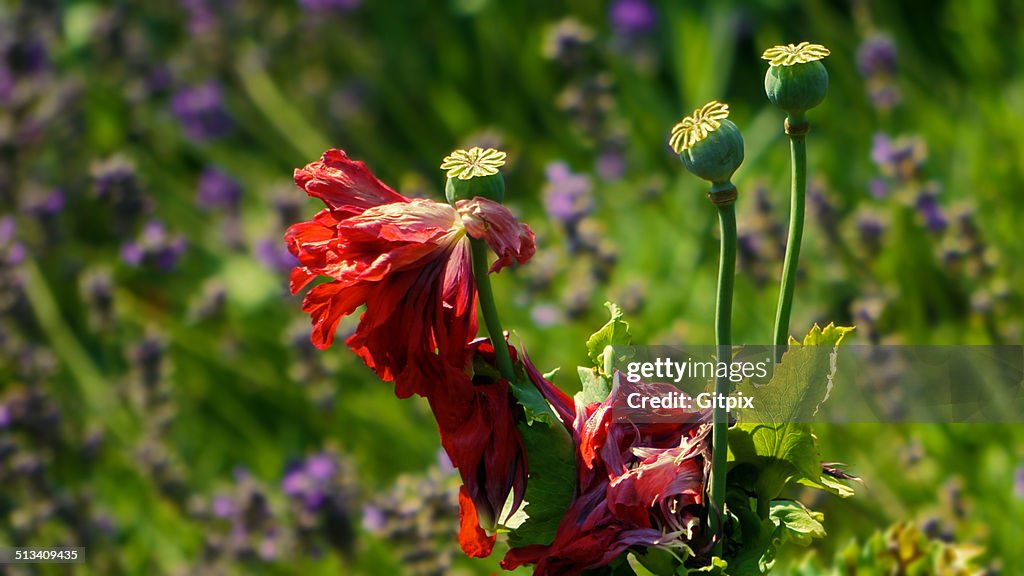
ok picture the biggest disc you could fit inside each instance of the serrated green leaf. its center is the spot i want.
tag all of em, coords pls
(774, 434)
(593, 387)
(796, 523)
(614, 333)
(551, 482)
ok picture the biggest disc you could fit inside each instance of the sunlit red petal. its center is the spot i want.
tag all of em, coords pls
(327, 304)
(474, 540)
(346, 186)
(495, 224)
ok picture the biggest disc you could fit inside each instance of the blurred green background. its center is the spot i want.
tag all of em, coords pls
(160, 402)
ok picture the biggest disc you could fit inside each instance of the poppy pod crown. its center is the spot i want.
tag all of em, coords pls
(796, 80)
(474, 172)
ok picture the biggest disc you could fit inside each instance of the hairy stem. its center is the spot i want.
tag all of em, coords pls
(489, 310)
(798, 192)
(723, 339)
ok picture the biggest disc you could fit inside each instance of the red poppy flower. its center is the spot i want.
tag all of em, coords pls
(406, 260)
(638, 484)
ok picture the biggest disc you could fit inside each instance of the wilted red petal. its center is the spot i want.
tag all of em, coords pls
(474, 540)
(635, 484)
(561, 403)
(327, 304)
(477, 425)
(346, 186)
(495, 224)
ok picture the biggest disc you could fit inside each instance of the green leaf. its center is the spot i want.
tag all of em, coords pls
(552, 479)
(716, 568)
(774, 435)
(796, 523)
(656, 561)
(613, 333)
(529, 397)
(638, 568)
(594, 387)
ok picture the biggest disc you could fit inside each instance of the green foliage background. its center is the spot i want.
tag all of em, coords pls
(430, 76)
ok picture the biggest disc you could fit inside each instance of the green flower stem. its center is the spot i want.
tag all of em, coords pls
(723, 339)
(796, 128)
(489, 310)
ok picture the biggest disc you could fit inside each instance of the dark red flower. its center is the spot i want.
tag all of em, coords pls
(406, 260)
(638, 484)
(476, 418)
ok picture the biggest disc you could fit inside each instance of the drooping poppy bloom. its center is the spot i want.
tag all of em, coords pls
(638, 484)
(476, 418)
(407, 260)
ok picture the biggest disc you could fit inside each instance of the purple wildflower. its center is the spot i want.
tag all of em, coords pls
(567, 196)
(275, 255)
(928, 206)
(329, 5)
(46, 205)
(632, 17)
(155, 246)
(201, 112)
(374, 520)
(876, 55)
(217, 190)
(223, 506)
(1018, 483)
(878, 188)
(544, 315)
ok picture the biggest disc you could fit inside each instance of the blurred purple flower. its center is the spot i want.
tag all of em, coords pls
(311, 480)
(26, 57)
(879, 189)
(632, 17)
(567, 196)
(902, 158)
(155, 246)
(217, 190)
(611, 165)
(12, 252)
(1018, 483)
(928, 206)
(201, 112)
(201, 17)
(876, 55)
(132, 254)
(884, 96)
(275, 255)
(223, 506)
(544, 315)
(46, 205)
(329, 5)
(374, 519)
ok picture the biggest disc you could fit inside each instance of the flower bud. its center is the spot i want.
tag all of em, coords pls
(709, 144)
(796, 81)
(473, 173)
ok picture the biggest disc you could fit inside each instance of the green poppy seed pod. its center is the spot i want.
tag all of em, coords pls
(473, 173)
(709, 144)
(491, 187)
(796, 80)
(717, 156)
